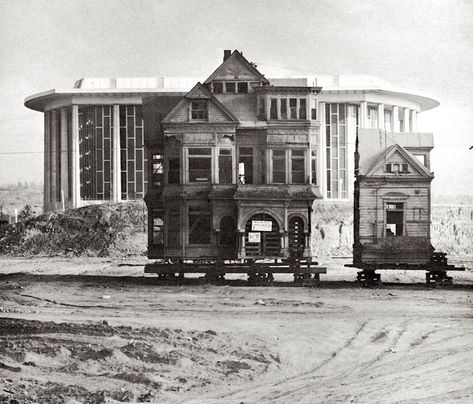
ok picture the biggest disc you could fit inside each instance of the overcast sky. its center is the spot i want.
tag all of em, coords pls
(424, 45)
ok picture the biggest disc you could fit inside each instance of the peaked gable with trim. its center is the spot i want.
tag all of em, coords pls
(236, 67)
(396, 154)
(210, 110)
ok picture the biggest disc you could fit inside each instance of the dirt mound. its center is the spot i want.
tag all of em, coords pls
(100, 230)
(96, 363)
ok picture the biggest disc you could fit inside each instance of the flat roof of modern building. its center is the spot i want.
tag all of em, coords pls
(139, 86)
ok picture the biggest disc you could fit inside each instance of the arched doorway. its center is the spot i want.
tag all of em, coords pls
(296, 237)
(262, 237)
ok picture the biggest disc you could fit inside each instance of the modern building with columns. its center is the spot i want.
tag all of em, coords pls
(94, 132)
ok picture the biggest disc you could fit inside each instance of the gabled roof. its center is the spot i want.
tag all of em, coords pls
(384, 157)
(239, 59)
(199, 91)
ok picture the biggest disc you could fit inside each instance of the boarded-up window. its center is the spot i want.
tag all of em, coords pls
(174, 227)
(174, 170)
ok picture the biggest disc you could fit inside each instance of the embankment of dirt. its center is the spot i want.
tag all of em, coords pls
(98, 230)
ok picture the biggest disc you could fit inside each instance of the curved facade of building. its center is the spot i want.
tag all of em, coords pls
(94, 132)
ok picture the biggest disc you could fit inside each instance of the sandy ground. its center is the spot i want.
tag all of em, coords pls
(97, 330)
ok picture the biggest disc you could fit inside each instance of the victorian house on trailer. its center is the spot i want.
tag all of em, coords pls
(235, 163)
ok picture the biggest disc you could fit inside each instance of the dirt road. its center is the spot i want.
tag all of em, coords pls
(82, 338)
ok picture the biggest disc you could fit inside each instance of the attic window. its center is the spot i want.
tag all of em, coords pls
(199, 110)
(230, 87)
(397, 168)
(218, 88)
(242, 88)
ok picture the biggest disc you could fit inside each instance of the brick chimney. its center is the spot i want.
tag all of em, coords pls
(226, 54)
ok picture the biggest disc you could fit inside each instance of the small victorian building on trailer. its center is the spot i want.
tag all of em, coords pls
(392, 199)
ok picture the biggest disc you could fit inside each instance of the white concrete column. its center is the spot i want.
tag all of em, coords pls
(381, 116)
(363, 114)
(413, 120)
(407, 126)
(322, 165)
(47, 164)
(116, 171)
(64, 157)
(75, 158)
(54, 167)
(396, 127)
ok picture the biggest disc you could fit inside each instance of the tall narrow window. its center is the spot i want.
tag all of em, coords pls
(200, 163)
(314, 166)
(225, 166)
(297, 167)
(174, 227)
(174, 170)
(199, 110)
(158, 237)
(262, 166)
(261, 108)
(245, 165)
(293, 107)
(273, 112)
(199, 224)
(279, 166)
(302, 108)
(283, 108)
(394, 219)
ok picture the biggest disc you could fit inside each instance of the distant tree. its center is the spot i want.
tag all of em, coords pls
(26, 213)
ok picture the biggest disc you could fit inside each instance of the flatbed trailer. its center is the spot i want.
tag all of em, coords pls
(305, 273)
(436, 270)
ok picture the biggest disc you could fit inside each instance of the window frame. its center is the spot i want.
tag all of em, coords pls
(203, 157)
(294, 158)
(280, 156)
(197, 110)
(395, 208)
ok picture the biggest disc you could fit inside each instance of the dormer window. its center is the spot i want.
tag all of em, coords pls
(217, 88)
(199, 110)
(242, 88)
(230, 87)
(397, 168)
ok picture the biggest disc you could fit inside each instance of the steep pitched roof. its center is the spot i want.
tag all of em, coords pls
(236, 58)
(199, 91)
(408, 157)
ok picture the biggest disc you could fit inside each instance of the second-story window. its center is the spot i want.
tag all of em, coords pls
(302, 108)
(279, 166)
(297, 167)
(199, 110)
(245, 165)
(314, 166)
(174, 170)
(200, 164)
(283, 108)
(293, 107)
(273, 111)
(225, 166)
